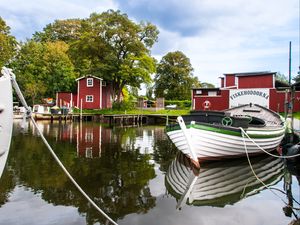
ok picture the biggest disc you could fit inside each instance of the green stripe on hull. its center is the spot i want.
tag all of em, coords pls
(227, 131)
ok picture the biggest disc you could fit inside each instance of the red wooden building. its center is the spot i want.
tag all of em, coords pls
(92, 93)
(243, 88)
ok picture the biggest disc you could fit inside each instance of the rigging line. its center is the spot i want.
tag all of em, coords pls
(269, 188)
(273, 155)
(24, 103)
(255, 175)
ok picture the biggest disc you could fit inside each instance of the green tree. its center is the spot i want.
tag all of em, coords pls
(115, 48)
(281, 77)
(58, 68)
(29, 71)
(174, 79)
(61, 30)
(42, 69)
(8, 44)
(206, 85)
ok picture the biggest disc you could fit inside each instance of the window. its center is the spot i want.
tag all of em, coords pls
(212, 93)
(89, 98)
(89, 82)
(103, 83)
(198, 92)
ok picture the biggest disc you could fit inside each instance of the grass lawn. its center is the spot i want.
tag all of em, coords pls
(297, 115)
(170, 112)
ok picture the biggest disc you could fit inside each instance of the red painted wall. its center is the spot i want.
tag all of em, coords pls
(229, 80)
(262, 81)
(64, 98)
(219, 102)
(84, 91)
(277, 101)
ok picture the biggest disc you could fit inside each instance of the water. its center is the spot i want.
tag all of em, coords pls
(136, 176)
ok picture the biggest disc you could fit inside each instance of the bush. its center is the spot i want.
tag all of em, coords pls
(122, 106)
(182, 104)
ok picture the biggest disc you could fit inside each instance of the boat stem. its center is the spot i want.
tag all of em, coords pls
(188, 139)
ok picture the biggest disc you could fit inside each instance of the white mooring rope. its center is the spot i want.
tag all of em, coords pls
(276, 156)
(255, 175)
(24, 103)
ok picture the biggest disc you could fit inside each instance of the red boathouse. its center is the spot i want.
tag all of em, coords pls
(242, 88)
(92, 93)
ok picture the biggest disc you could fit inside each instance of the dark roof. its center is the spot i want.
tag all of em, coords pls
(279, 83)
(209, 89)
(259, 73)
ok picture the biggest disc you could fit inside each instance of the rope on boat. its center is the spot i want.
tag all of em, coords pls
(250, 164)
(24, 103)
(255, 175)
(276, 156)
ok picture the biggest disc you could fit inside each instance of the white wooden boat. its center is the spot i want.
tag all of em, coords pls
(211, 135)
(6, 118)
(220, 183)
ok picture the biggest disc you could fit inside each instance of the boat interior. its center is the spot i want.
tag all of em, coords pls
(244, 116)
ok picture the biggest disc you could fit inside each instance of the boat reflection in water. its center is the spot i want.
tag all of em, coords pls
(220, 183)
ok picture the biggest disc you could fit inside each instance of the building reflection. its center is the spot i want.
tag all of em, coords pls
(88, 137)
(118, 180)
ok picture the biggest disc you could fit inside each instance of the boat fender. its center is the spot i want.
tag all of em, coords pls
(206, 104)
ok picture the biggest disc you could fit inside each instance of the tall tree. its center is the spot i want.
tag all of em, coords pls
(43, 69)
(61, 30)
(115, 48)
(8, 44)
(174, 79)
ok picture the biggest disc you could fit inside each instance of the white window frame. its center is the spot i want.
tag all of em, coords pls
(89, 98)
(198, 92)
(90, 82)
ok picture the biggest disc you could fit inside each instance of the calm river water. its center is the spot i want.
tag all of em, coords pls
(136, 176)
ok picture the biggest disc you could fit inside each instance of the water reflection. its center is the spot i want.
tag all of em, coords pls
(220, 183)
(113, 166)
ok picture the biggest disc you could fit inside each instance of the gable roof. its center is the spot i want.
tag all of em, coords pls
(259, 73)
(88, 76)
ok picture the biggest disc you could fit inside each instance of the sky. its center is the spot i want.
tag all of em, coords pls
(217, 36)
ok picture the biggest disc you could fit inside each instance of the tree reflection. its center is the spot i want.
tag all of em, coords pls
(117, 180)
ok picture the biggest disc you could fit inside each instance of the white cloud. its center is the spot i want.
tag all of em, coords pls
(234, 36)
(27, 17)
(218, 36)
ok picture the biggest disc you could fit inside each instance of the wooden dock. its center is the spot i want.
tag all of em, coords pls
(113, 119)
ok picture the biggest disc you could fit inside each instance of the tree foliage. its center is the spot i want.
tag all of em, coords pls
(42, 69)
(61, 30)
(115, 48)
(281, 77)
(174, 79)
(8, 44)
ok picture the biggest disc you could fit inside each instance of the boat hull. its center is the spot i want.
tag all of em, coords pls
(211, 143)
(222, 183)
(6, 119)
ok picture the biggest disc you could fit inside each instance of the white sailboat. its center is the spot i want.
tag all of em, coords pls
(6, 118)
